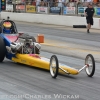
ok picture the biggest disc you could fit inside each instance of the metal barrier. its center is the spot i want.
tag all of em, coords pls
(66, 8)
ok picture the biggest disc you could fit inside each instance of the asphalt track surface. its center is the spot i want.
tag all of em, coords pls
(21, 82)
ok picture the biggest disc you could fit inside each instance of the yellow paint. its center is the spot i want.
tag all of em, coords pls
(40, 63)
(69, 69)
(30, 8)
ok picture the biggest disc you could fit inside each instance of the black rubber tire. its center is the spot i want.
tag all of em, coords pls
(79, 26)
(54, 75)
(93, 63)
(2, 49)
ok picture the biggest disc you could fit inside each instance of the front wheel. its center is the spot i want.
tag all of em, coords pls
(90, 62)
(54, 66)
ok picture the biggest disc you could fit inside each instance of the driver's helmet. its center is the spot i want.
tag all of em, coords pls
(7, 27)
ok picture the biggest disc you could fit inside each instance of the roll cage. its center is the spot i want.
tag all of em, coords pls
(13, 26)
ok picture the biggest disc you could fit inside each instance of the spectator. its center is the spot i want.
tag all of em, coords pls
(33, 3)
(66, 2)
(90, 1)
(71, 4)
(95, 1)
(38, 2)
(98, 4)
(42, 3)
(46, 2)
(55, 3)
(79, 3)
(95, 4)
(89, 16)
(51, 3)
(60, 3)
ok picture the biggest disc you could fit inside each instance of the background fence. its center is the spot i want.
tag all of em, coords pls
(62, 8)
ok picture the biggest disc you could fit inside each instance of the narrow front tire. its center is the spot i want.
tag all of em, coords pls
(54, 66)
(90, 62)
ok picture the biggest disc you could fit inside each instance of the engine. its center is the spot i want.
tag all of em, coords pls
(27, 44)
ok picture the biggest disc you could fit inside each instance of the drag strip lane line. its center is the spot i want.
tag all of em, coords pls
(63, 47)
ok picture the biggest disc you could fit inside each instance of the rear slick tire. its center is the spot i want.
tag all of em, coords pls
(2, 49)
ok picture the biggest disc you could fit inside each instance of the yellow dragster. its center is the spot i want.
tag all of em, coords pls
(22, 48)
(36, 60)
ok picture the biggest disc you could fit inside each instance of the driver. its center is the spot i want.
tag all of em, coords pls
(7, 27)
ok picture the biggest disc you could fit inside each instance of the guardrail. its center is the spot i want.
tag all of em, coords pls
(70, 8)
(49, 19)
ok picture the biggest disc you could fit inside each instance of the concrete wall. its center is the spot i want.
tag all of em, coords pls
(50, 19)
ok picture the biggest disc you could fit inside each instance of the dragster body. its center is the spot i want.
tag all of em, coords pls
(22, 48)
